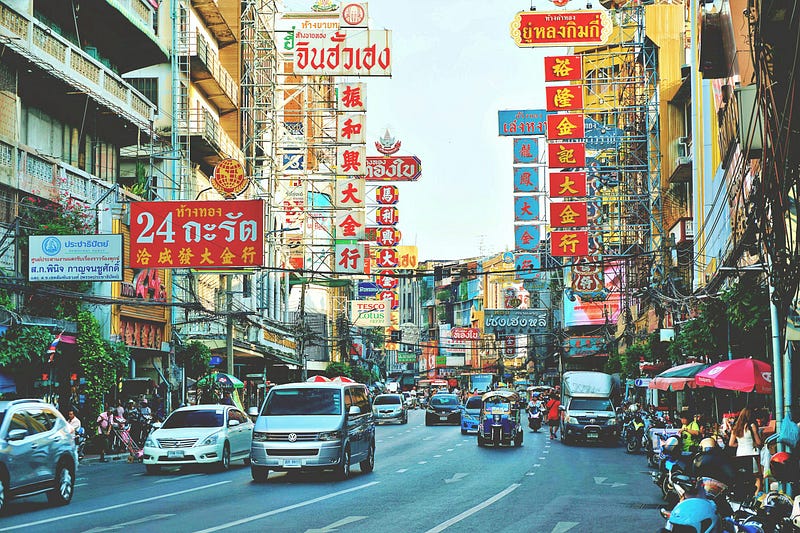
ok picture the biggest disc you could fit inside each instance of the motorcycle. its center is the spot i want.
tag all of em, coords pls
(635, 432)
(80, 442)
(535, 420)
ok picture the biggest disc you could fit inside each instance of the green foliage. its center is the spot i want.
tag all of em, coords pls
(338, 368)
(627, 364)
(705, 335)
(362, 375)
(23, 350)
(747, 306)
(194, 357)
(100, 361)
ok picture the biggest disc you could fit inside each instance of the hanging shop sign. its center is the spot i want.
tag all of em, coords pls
(229, 179)
(387, 216)
(527, 237)
(349, 193)
(515, 321)
(528, 266)
(386, 258)
(526, 179)
(351, 96)
(587, 345)
(387, 236)
(353, 16)
(387, 280)
(568, 215)
(465, 334)
(350, 224)
(387, 194)
(526, 208)
(569, 243)
(75, 258)
(566, 155)
(369, 313)
(567, 126)
(567, 184)
(564, 97)
(345, 53)
(407, 257)
(563, 68)
(526, 150)
(393, 168)
(561, 28)
(351, 128)
(391, 297)
(511, 123)
(141, 333)
(350, 258)
(367, 290)
(198, 234)
(351, 160)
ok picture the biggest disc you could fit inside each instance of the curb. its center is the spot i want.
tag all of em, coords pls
(111, 457)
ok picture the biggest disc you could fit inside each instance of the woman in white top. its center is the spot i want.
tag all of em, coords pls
(745, 438)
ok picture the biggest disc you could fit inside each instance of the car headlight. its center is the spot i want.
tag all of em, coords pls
(572, 420)
(259, 436)
(329, 435)
(151, 442)
(612, 421)
(210, 440)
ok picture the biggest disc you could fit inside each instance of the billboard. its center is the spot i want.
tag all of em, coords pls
(393, 168)
(75, 258)
(561, 28)
(369, 313)
(586, 345)
(599, 307)
(197, 234)
(345, 53)
(515, 321)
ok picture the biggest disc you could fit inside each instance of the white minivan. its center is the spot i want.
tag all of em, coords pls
(304, 426)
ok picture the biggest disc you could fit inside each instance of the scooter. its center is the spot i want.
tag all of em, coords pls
(635, 433)
(535, 420)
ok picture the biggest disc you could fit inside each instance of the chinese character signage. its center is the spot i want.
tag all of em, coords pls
(526, 237)
(561, 28)
(563, 68)
(566, 155)
(569, 243)
(386, 258)
(351, 96)
(527, 266)
(351, 128)
(391, 297)
(352, 160)
(355, 53)
(198, 234)
(581, 346)
(387, 280)
(526, 208)
(568, 214)
(515, 321)
(565, 127)
(522, 122)
(394, 168)
(526, 179)
(387, 194)
(349, 258)
(387, 236)
(526, 150)
(567, 184)
(387, 216)
(75, 258)
(349, 193)
(564, 98)
(350, 225)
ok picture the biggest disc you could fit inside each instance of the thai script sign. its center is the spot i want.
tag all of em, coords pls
(521, 122)
(75, 258)
(561, 28)
(515, 321)
(465, 334)
(345, 53)
(395, 168)
(407, 257)
(369, 313)
(199, 234)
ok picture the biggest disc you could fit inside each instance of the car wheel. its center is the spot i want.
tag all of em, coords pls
(368, 464)
(3, 491)
(480, 440)
(427, 421)
(463, 431)
(405, 419)
(152, 469)
(343, 470)
(259, 473)
(225, 461)
(246, 461)
(64, 485)
(518, 439)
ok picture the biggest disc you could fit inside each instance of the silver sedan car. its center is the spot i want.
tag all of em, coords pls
(390, 407)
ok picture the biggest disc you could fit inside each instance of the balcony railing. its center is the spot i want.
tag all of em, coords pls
(62, 59)
(203, 125)
(224, 92)
(215, 21)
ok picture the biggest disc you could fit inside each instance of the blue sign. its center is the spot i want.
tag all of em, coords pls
(511, 123)
(526, 179)
(528, 266)
(526, 208)
(526, 237)
(367, 290)
(526, 150)
(215, 360)
(581, 346)
(600, 136)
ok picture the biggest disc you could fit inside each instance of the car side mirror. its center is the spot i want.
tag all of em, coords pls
(156, 425)
(354, 410)
(252, 412)
(17, 434)
(562, 408)
(233, 423)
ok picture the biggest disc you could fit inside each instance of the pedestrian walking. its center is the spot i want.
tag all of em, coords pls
(104, 423)
(746, 440)
(553, 415)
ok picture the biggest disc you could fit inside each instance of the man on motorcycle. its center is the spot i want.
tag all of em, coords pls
(534, 409)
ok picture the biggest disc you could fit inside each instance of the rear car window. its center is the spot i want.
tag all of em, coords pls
(303, 401)
(439, 400)
(473, 402)
(387, 400)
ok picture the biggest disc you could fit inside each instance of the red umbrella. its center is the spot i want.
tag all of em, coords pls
(343, 379)
(743, 375)
(317, 379)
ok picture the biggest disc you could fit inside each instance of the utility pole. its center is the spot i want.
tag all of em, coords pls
(300, 333)
(229, 323)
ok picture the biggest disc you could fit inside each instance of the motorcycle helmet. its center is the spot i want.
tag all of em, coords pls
(783, 467)
(696, 513)
(672, 446)
(535, 394)
(633, 408)
(707, 444)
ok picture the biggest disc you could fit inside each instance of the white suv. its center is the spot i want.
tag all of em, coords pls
(37, 452)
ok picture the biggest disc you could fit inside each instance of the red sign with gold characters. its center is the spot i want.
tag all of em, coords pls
(567, 184)
(387, 280)
(564, 97)
(569, 243)
(197, 234)
(568, 214)
(386, 257)
(565, 28)
(569, 126)
(566, 155)
(563, 68)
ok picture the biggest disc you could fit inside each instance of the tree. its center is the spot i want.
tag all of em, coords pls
(194, 357)
(362, 375)
(22, 351)
(100, 361)
(337, 368)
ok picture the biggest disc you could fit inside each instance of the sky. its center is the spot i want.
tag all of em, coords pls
(454, 65)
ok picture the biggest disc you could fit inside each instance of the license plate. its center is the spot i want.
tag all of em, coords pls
(175, 454)
(291, 463)
(592, 435)
(442, 418)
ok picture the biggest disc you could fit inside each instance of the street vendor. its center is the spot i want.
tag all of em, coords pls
(690, 431)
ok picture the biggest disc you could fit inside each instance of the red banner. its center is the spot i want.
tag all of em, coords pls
(567, 184)
(563, 68)
(197, 234)
(566, 155)
(565, 126)
(564, 98)
(561, 28)
(568, 215)
(394, 168)
(569, 243)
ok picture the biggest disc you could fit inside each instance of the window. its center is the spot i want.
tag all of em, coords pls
(303, 401)
(360, 398)
(147, 86)
(18, 421)
(39, 422)
(195, 419)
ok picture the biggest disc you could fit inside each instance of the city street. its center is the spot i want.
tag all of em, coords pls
(425, 479)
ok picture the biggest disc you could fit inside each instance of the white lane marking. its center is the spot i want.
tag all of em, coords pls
(546, 451)
(456, 477)
(81, 484)
(379, 440)
(471, 511)
(177, 478)
(438, 455)
(118, 506)
(542, 458)
(561, 527)
(117, 527)
(427, 438)
(287, 508)
(530, 473)
(422, 463)
(402, 470)
(336, 525)
(139, 474)
(459, 444)
(449, 449)
(537, 465)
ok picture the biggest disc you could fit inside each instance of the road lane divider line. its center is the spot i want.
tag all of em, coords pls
(117, 506)
(177, 478)
(402, 470)
(284, 509)
(471, 511)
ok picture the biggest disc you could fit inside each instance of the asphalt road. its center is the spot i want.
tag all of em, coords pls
(426, 479)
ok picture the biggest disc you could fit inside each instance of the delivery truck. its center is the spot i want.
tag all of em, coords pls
(588, 411)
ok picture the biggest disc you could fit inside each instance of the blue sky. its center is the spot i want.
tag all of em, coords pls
(454, 66)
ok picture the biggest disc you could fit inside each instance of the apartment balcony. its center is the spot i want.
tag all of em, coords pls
(216, 21)
(211, 77)
(208, 141)
(682, 172)
(58, 58)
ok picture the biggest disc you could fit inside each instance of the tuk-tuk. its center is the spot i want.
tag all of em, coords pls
(499, 419)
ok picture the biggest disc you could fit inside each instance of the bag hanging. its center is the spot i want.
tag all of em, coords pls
(789, 433)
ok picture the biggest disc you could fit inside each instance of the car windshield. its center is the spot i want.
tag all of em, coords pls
(590, 404)
(195, 418)
(474, 402)
(303, 401)
(386, 400)
(444, 401)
